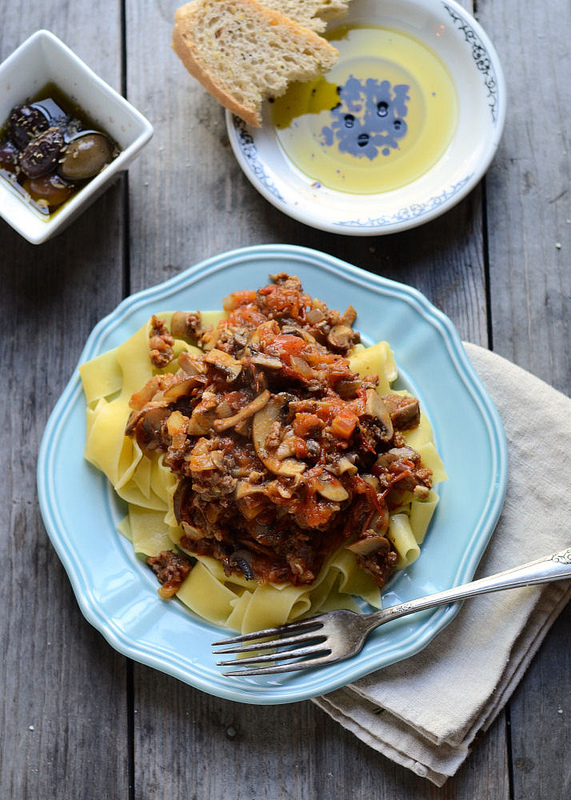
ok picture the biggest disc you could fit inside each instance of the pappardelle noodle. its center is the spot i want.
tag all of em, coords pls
(269, 470)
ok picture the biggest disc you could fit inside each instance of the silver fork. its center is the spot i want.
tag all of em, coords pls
(337, 635)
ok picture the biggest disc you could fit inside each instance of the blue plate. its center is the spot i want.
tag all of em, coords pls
(117, 592)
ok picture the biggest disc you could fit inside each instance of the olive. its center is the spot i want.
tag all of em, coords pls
(48, 190)
(9, 157)
(57, 117)
(42, 154)
(52, 111)
(26, 122)
(86, 155)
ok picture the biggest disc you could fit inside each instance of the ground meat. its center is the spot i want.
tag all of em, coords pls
(282, 453)
(160, 343)
(380, 565)
(171, 569)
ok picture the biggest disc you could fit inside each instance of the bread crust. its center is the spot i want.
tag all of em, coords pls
(185, 47)
(185, 50)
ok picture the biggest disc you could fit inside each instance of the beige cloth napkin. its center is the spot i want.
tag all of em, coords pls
(425, 712)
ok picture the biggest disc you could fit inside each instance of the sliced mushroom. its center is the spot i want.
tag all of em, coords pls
(252, 408)
(331, 488)
(191, 532)
(372, 480)
(225, 362)
(138, 413)
(244, 489)
(295, 330)
(370, 543)
(181, 389)
(269, 362)
(341, 466)
(192, 364)
(347, 388)
(302, 367)
(379, 522)
(385, 460)
(183, 499)
(242, 560)
(140, 399)
(201, 421)
(314, 316)
(289, 467)
(375, 408)
(263, 425)
(186, 326)
(342, 337)
(264, 422)
(149, 428)
(286, 447)
(404, 411)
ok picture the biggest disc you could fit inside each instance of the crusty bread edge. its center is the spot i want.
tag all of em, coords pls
(185, 51)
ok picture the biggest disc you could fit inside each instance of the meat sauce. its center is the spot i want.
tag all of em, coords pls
(281, 451)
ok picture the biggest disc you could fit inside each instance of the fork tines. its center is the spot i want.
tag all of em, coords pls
(295, 633)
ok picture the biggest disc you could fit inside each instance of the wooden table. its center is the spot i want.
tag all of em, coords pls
(79, 720)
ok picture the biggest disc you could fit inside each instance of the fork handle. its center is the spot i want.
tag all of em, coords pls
(554, 567)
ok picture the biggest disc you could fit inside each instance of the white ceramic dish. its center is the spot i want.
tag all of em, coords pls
(43, 59)
(118, 593)
(465, 49)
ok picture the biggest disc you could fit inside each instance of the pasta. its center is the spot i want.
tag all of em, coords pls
(138, 393)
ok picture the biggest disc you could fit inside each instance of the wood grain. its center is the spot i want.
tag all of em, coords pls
(63, 688)
(529, 237)
(528, 194)
(188, 210)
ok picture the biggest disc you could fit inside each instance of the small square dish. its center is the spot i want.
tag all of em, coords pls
(44, 61)
(397, 132)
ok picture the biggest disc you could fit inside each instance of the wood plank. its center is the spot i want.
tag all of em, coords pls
(529, 233)
(539, 716)
(188, 201)
(63, 688)
(528, 191)
(224, 749)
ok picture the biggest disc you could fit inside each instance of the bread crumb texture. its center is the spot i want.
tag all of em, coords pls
(244, 52)
(312, 14)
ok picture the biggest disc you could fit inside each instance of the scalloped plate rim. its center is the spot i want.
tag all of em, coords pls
(312, 683)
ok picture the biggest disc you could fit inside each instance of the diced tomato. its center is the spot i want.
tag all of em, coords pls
(307, 424)
(244, 315)
(237, 299)
(344, 424)
(315, 513)
(285, 344)
(279, 299)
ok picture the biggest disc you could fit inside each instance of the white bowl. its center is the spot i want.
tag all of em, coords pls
(466, 51)
(43, 59)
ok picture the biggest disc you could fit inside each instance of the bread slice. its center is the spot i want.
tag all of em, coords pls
(312, 14)
(243, 52)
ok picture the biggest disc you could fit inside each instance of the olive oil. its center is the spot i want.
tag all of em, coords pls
(377, 121)
(50, 149)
